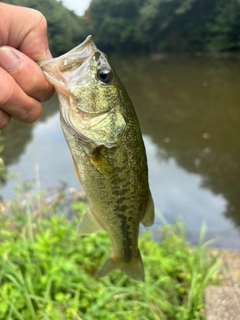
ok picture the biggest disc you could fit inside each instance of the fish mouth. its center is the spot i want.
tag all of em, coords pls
(64, 70)
(81, 52)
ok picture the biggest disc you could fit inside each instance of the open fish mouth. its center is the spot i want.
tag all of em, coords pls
(79, 53)
(70, 68)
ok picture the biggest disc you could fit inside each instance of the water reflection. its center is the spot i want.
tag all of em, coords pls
(18, 135)
(194, 104)
(190, 116)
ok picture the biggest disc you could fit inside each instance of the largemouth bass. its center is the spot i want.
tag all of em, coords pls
(103, 134)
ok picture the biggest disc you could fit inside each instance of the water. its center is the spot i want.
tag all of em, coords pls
(189, 111)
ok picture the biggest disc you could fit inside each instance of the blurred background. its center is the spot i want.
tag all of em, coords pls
(180, 63)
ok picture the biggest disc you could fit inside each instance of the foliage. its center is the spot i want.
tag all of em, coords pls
(144, 25)
(224, 31)
(154, 25)
(165, 25)
(47, 272)
(172, 25)
(113, 23)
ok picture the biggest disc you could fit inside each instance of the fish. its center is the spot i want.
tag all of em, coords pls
(103, 133)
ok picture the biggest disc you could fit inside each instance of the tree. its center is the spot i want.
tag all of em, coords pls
(150, 25)
(174, 25)
(113, 23)
(144, 25)
(224, 32)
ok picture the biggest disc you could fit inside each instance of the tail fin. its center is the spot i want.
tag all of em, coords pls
(133, 268)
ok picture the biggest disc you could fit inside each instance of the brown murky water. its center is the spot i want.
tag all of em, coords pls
(189, 111)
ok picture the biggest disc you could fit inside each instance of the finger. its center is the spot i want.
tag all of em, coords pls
(15, 102)
(26, 73)
(30, 37)
(5, 118)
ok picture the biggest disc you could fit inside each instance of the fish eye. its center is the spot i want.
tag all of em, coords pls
(105, 74)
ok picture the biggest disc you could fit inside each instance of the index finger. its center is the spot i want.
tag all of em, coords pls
(24, 29)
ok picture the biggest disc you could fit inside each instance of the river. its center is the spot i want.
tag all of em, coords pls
(189, 112)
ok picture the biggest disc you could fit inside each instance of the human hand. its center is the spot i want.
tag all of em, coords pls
(23, 40)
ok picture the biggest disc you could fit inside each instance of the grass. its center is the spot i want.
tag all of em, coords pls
(47, 271)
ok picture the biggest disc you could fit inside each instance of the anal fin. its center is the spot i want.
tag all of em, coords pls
(88, 224)
(148, 218)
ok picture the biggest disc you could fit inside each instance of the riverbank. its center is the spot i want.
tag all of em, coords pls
(185, 268)
(223, 301)
(52, 269)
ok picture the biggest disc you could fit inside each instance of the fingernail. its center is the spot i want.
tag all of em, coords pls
(9, 61)
(49, 55)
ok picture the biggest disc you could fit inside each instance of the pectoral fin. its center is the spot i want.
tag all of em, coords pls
(76, 169)
(148, 218)
(102, 164)
(88, 224)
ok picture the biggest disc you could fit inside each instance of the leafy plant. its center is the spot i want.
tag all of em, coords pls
(48, 272)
